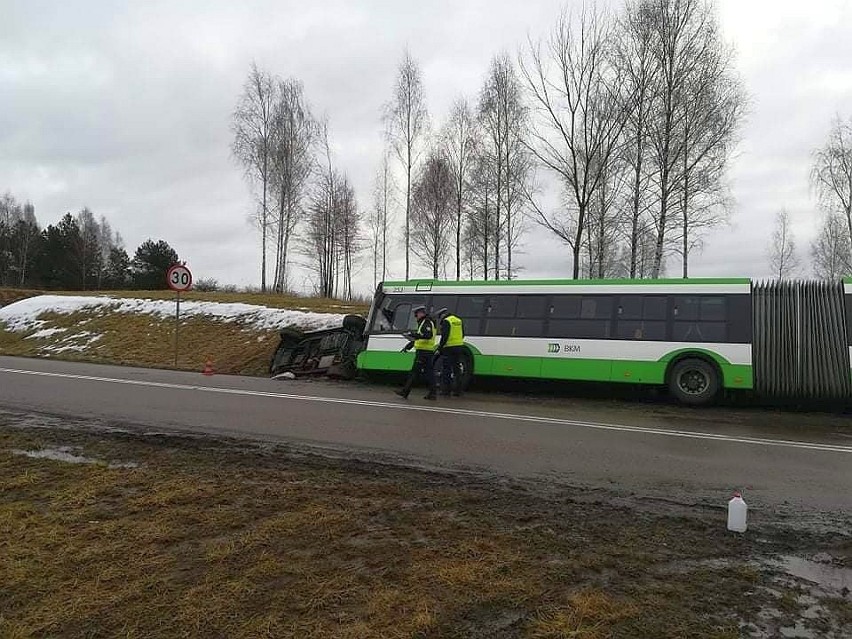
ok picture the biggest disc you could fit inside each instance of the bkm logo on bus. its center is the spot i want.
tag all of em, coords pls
(567, 348)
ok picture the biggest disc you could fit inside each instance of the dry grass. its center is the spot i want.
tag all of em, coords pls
(207, 540)
(148, 341)
(586, 615)
(10, 295)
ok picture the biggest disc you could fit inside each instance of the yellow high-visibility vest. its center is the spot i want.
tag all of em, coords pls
(456, 337)
(425, 344)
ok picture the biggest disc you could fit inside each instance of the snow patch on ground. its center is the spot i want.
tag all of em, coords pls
(74, 343)
(66, 454)
(24, 315)
(46, 332)
(62, 454)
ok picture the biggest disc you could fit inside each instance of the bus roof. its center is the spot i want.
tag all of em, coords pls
(557, 282)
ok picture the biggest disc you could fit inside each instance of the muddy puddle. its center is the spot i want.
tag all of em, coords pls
(822, 572)
(805, 595)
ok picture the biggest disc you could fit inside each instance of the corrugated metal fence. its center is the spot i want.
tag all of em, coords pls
(800, 347)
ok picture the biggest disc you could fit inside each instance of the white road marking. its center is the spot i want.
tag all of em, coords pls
(757, 441)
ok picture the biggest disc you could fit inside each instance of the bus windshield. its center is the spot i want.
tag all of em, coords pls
(396, 314)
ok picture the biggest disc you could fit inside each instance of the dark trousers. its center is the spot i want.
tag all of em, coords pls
(451, 375)
(423, 367)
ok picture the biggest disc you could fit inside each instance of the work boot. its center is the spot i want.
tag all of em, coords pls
(402, 393)
(431, 396)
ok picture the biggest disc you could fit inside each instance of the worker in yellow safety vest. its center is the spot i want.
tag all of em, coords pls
(450, 349)
(423, 342)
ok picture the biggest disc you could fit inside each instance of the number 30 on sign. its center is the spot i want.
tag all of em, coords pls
(179, 278)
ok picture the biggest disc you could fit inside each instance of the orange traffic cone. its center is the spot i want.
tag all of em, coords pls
(208, 368)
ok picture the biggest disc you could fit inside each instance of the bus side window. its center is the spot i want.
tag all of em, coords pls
(532, 307)
(503, 306)
(738, 318)
(642, 317)
(700, 318)
(448, 302)
(471, 309)
(581, 317)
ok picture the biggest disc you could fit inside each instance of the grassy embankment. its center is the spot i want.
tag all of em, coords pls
(137, 339)
(10, 295)
(208, 538)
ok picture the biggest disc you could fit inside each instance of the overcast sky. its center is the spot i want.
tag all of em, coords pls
(124, 107)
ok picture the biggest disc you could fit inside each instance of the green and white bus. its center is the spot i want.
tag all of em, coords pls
(696, 336)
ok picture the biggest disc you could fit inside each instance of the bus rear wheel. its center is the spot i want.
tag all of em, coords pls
(694, 382)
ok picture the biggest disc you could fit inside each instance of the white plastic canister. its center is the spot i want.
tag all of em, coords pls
(737, 514)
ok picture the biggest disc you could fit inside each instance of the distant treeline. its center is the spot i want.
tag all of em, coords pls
(79, 252)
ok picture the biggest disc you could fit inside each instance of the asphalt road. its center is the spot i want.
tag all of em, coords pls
(786, 463)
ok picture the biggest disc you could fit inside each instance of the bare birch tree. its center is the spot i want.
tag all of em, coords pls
(433, 212)
(708, 125)
(320, 243)
(783, 258)
(107, 241)
(459, 144)
(831, 251)
(375, 219)
(491, 157)
(503, 120)
(519, 177)
(580, 116)
(605, 222)
(348, 229)
(641, 257)
(380, 218)
(517, 163)
(19, 240)
(251, 125)
(294, 131)
(10, 215)
(698, 105)
(638, 71)
(406, 121)
(479, 232)
(831, 174)
(677, 36)
(331, 239)
(86, 249)
(26, 238)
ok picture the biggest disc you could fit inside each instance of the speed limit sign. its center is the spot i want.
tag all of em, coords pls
(179, 278)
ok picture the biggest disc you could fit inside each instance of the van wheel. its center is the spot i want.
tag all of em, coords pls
(694, 382)
(355, 324)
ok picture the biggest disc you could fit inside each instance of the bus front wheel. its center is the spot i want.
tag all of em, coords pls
(694, 382)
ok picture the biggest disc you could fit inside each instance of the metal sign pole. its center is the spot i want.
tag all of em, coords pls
(178, 279)
(177, 327)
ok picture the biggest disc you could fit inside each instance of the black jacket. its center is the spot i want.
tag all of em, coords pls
(445, 333)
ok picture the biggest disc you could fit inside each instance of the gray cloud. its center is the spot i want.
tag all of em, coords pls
(124, 107)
